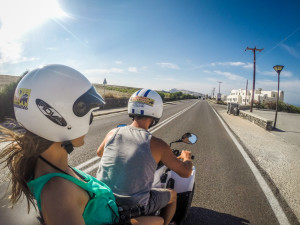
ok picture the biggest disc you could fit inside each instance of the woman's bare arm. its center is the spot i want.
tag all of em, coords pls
(63, 203)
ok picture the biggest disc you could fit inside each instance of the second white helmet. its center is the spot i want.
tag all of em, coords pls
(145, 102)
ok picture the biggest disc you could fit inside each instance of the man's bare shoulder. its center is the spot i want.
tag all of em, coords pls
(110, 134)
(158, 148)
(158, 143)
(112, 131)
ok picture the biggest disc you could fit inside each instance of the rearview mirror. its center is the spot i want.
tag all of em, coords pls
(189, 138)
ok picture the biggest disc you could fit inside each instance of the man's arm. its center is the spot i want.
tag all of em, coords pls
(162, 152)
(106, 139)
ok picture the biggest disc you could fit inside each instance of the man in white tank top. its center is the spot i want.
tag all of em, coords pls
(130, 156)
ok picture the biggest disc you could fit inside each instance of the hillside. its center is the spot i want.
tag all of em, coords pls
(110, 90)
(7, 79)
(115, 91)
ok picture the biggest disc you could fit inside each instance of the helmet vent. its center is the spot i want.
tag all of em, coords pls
(50, 113)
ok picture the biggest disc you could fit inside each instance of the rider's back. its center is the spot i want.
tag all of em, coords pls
(127, 165)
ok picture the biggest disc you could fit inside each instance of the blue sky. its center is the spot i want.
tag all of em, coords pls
(158, 44)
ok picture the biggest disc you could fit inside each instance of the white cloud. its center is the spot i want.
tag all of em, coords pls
(274, 73)
(10, 51)
(248, 66)
(103, 71)
(165, 79)
(118, 62)
(145, 68)
(227, 64)
(168, 65)
(17, 21)
(229, 75)
(291, 50)
(51, 49)
(132, 69)
(237, 64)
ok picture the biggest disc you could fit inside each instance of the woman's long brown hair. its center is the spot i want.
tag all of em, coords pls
(20, 155)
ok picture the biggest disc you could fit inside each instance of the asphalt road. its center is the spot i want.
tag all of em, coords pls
(226, 191)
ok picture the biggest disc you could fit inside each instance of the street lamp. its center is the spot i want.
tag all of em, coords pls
(278, 69)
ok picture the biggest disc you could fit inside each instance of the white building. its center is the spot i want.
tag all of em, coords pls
(239, 96)
(224, 98)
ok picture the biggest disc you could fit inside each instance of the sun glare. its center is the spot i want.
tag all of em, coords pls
(18, 17)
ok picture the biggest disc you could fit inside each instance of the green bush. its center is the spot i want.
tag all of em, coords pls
(6, 101)
(7, 98)
(162, 95)
(282, 107)
(220, 102)
(121, 89)
(178, 96)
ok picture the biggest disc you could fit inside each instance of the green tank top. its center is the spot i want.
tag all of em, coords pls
(100, 209)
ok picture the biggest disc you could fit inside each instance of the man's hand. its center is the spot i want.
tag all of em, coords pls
(185, 155)
(161, 151)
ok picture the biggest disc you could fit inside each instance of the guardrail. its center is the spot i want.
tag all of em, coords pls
(258, 120)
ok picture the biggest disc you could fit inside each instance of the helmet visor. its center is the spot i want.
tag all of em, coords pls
(89, 100)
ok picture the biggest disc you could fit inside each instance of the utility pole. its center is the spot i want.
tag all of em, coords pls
(254, 68)
(246, 92)
(219, 94)
(219, 86)
(214, 92)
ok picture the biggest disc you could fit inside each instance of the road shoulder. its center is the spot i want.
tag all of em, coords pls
(277, 159)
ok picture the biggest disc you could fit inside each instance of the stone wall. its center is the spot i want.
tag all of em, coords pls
(115, 103)
(260, 121)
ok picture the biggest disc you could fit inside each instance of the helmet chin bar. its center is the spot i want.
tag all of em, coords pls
(68, 146)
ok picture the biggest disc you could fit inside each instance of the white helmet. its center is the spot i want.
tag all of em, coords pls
(56, 102)
(146, 103)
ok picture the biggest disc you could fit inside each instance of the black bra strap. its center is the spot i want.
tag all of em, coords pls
(50, 164)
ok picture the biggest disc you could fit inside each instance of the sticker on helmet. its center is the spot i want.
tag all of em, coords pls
(21, 98)
(50, 113)
(142, 100)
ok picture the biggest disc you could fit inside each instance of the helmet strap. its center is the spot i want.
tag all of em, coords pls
(154, 122)
(68, 146)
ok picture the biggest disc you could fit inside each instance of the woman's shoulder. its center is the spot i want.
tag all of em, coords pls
(61, 191)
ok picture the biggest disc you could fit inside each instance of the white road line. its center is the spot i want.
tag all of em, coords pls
(109, 115)
(166, 121)
(87, 170)
(123, 112)
(278, 211)
(87, 162)
(152, 130)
